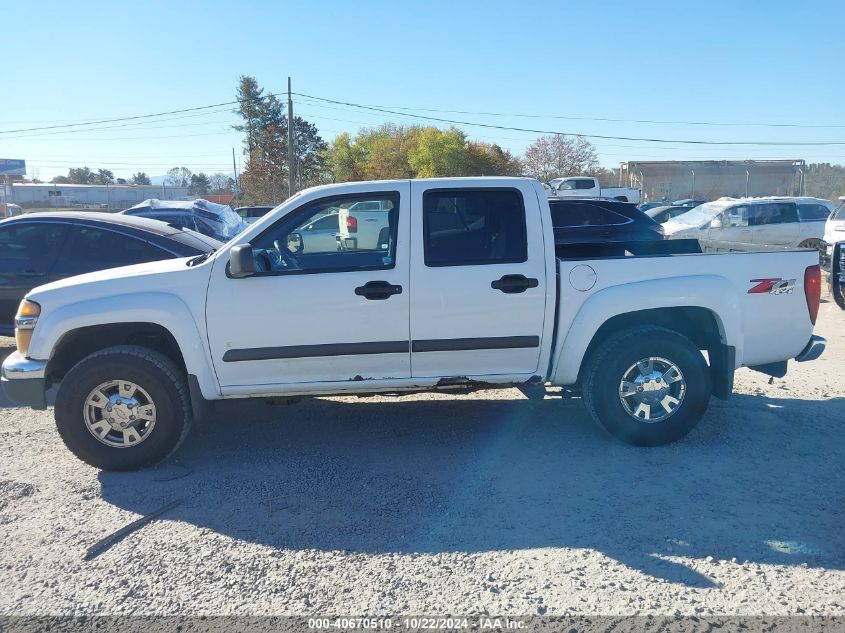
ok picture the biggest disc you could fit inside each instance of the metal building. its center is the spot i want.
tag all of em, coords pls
(30, 195)
(712, 179)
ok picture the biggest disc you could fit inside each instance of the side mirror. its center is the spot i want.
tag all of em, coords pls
(837, 274)
(241, 263)
(716, 223)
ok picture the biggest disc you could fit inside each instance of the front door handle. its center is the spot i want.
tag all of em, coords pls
(513, 284)
(378, 290)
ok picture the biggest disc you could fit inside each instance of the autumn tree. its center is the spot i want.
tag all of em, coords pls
(396, 151)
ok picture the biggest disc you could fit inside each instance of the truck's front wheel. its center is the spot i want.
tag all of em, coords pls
(123, 408)
(647, 385)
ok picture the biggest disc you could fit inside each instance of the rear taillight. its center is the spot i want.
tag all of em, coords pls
(813, 290)
(351, 224)
(658, 228)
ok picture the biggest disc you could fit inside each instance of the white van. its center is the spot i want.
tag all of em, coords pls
(770, 221)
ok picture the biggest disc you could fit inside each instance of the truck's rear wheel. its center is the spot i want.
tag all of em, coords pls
(647, 385)
(123, 408)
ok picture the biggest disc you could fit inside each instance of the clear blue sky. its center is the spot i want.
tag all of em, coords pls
(735, 62)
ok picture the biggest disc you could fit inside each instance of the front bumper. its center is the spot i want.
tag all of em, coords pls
(813, 349)
(24, 380)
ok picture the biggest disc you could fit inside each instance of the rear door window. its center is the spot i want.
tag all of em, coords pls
(473, 226)
(90, 249)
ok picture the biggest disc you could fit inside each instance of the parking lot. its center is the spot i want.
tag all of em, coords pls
(440, 504)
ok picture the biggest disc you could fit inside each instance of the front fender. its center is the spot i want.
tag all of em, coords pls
(711, 292)
(166, 310)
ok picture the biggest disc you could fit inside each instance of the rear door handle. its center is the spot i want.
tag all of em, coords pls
(513, 284)
(378, 290)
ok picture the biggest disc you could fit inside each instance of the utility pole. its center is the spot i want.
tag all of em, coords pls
(290, 142)
(235, 170)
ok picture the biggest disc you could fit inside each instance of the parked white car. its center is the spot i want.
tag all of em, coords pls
(834, 231)
(797, 222)
(469, 291)
(589, 187)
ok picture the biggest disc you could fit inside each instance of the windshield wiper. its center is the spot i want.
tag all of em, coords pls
(199, 259)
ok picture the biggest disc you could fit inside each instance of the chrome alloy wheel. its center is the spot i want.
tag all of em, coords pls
(119, 413)
(652, 389)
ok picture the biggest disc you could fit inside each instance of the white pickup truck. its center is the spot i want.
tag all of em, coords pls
(589, 187)
(468, 291)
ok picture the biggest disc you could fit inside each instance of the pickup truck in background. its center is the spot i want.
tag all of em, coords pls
(468, 291)
(589, 187)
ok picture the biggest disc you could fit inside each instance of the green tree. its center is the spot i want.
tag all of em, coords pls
(122, 181)
(440, 153)
(140, 178)
(103, 177)
(199, 185)
(265, 128)
(80, 176)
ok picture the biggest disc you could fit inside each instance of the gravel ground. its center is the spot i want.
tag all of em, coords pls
(436, 504)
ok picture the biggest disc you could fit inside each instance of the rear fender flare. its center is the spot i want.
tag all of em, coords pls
(711, 292)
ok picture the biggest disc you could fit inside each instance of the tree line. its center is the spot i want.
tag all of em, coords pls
(197, 184)
(382, 152)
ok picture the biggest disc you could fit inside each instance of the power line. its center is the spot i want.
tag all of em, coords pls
(610, 120)
(559, 133)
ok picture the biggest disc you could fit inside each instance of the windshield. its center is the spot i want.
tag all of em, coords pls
(700, 215)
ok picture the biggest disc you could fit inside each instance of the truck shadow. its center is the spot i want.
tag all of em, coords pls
(759, 480)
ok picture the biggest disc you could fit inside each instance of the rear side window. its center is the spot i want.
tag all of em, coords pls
(575, 215)
(474, 226)
(91, 249)
(773, 213)
(809, 212)
(583, 183)
(839, 214)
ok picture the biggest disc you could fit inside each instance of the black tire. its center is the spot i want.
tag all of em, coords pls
(607, 365)
(150, 370)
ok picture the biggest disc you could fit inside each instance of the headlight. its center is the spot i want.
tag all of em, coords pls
(25, 321)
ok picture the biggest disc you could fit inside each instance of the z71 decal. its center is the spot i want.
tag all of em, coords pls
(773, 286)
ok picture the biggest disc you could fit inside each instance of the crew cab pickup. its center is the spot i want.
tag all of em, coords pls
(465, 290)
(589, 187)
